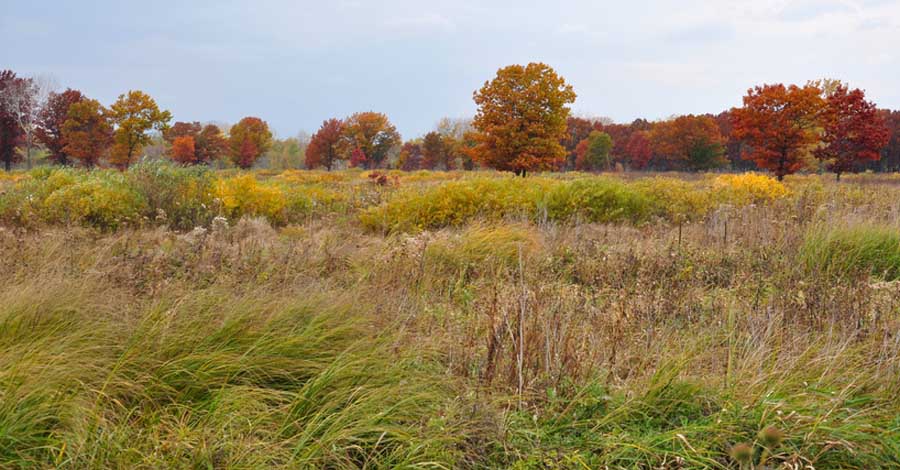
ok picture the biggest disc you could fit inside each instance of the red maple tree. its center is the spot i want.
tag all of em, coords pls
(326, 146)
(779, 125)
(50, 122)
(11, 133)
(357, 158)
(854, 132)
(638, 150)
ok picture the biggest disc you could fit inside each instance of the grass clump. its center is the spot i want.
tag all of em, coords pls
(210, 380)
(480, 246)
(852, 250)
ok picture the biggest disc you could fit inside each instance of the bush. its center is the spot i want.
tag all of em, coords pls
(102, 200)
(179, 196)
(243, 195)
(598, 200)
(858, 249)
(675, 199)
(747, 188)
(308, 200)
(456, 202)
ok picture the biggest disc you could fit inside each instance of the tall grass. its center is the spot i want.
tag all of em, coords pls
(709, 325)
(854, 250)
(213, 379)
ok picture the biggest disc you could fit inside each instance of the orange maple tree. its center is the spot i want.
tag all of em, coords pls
(779, 125)
(373, 135)
(87, 132)
(209, 143)
(692, 142)
(521, 119)
(183, 150)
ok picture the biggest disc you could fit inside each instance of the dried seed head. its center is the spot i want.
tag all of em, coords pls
(742, 453)
(771, 437)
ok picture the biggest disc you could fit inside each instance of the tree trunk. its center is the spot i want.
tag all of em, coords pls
(837, 177)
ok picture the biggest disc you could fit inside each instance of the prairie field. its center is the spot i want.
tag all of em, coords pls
(168, 317)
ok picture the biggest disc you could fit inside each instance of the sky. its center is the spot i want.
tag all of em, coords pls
(297, 63)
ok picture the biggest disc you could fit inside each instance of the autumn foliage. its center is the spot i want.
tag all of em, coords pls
(207, 143)
(50, 123)
(327, 145)
(522, 124)
(248, 140)
(521, 119)
(693, 142)
(134, 114)
(780, 126)
(853, 131)
(87, 132)
(183, 149)
(373, 135)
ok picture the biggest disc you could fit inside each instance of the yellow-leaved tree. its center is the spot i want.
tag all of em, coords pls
(134, 114)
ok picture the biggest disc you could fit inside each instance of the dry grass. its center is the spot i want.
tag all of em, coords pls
(521, 344)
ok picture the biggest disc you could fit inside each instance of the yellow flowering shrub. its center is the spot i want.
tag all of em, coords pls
(675, 199)
(457, 202)
(303, 201)
(746, 188)
(314, 176)
(103, 201)
(244, 195)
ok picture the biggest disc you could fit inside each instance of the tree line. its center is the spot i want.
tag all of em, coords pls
(523, 124)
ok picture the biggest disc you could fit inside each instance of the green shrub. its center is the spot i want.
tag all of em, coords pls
(180, 197)
(598, 200)
(456, 202)
(102, 200)
(853, 250)
(675, 199)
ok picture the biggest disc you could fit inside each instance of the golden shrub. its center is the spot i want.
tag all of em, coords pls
(244, 195)
(747, 187)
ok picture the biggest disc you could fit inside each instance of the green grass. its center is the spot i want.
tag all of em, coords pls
(210, 380)
(854, 250)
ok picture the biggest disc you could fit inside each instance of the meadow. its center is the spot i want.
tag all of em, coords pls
(168, 317)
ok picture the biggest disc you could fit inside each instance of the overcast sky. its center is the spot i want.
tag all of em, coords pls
(296, 63)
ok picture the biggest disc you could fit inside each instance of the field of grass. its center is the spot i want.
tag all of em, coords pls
(179, 318)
